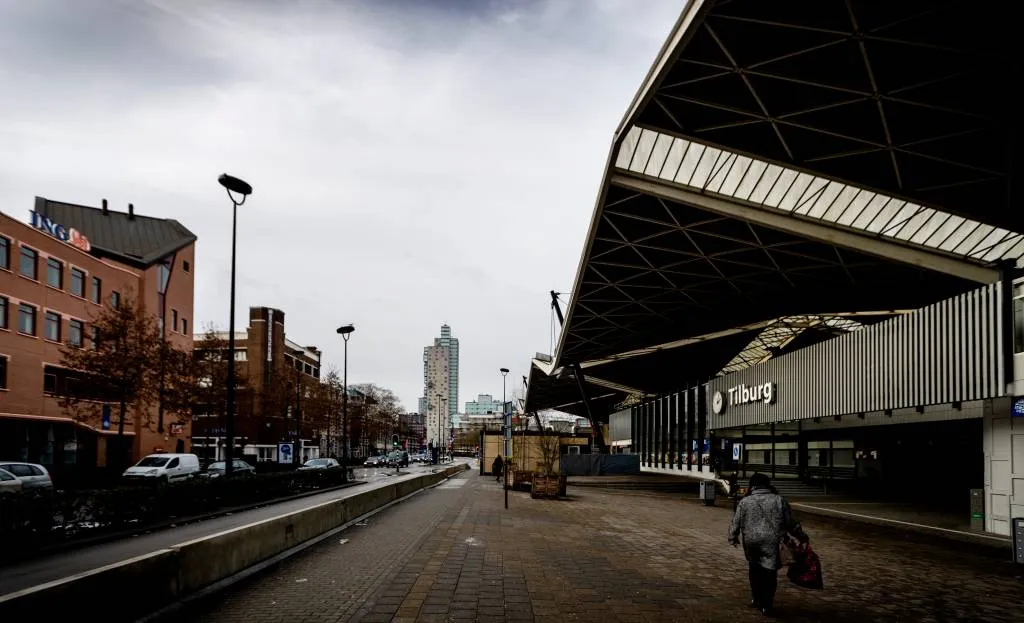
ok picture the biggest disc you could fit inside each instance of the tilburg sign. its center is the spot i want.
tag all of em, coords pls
(743, 394)
(58, 231)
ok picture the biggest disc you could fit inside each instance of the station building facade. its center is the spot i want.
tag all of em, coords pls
(926, 404)
(57, 270)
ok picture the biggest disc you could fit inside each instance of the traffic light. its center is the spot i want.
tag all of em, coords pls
(394, 440)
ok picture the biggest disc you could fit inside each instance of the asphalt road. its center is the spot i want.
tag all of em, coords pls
(47, 569)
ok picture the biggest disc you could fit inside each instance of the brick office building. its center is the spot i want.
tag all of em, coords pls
(276, 380)
(56, 271)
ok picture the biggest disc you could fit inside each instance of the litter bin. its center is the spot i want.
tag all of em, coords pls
(707, 492)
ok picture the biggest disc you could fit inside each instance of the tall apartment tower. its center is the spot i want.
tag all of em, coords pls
(440, 377)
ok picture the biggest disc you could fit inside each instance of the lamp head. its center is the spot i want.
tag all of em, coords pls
(235, 185)
(345, 329)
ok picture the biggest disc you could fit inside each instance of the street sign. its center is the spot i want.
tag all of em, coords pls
(1018, 406)
(737, 451)
(284, 452)
(106, 417)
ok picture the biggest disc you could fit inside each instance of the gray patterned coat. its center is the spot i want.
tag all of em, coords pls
(763, 518)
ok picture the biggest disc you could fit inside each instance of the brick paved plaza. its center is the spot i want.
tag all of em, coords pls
(455, 554)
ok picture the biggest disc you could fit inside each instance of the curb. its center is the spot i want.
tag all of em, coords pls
(992, 541)
(102, 539)
(166, 612)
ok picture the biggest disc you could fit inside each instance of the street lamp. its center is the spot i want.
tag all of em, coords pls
(508, 433)
(345, 331)
(237, 186)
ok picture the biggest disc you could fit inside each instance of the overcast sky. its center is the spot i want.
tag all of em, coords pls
(414, 161)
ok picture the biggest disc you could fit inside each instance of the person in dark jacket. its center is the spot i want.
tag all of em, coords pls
(763, 518)
(497, 467)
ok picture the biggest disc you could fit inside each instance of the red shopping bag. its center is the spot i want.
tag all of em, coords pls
(805, 571)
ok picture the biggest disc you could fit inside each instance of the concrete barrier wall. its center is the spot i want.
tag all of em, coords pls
(145, 584)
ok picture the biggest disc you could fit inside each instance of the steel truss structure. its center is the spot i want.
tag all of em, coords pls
(789, 170)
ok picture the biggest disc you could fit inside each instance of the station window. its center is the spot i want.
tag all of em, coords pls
(1018, 318)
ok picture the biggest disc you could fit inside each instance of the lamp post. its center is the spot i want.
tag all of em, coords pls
(345, 331)
(237, 186)
(508, 433)
(437, 442)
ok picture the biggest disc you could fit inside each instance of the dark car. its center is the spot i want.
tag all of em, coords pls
(399, 458)
(217, 468)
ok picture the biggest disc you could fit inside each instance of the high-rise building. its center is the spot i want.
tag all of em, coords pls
(440, 399)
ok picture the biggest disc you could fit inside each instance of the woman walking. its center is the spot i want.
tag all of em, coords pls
(497, 466)
(764, 520)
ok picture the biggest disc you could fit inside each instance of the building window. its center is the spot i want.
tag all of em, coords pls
(94, 338)
(174, 320)
(27, 265)
(5, 253)
(55, 273)
(184, 326)
(52, 326)
(97, 290)
(76, 332)
(115, 299)
(78, 282)
(184, 266)
(26, 319)
(3, 371)
(3, 312)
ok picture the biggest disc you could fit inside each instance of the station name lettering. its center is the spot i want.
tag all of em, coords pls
(746, 394)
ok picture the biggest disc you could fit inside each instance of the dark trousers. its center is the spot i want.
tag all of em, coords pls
(763, 584)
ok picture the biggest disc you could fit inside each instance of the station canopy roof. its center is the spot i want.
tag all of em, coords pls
(788, 171)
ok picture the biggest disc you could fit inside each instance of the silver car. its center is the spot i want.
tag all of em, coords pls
(9, 483)
(31, 475)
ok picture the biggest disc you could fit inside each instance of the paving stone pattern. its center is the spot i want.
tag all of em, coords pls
(455, 554)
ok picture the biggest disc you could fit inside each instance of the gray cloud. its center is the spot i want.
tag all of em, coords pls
(413, 162)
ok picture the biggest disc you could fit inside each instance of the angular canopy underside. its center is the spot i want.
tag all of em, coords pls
(791, 170)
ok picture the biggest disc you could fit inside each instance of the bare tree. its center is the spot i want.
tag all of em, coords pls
(122, 364)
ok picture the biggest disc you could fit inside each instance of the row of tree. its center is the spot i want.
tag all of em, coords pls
(128, 362)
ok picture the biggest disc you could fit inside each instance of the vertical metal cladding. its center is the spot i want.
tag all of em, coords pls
(943, 353)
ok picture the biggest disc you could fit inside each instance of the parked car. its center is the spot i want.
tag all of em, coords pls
(217, 469)
(9, 483)
(320, 464)
(399, 458)
(31, 475)
(164, 467)
(374, 461)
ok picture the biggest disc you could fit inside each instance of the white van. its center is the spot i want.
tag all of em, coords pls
(166, 467)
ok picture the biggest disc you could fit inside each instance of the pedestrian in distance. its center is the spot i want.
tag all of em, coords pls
(496, 467)
(764, 521)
